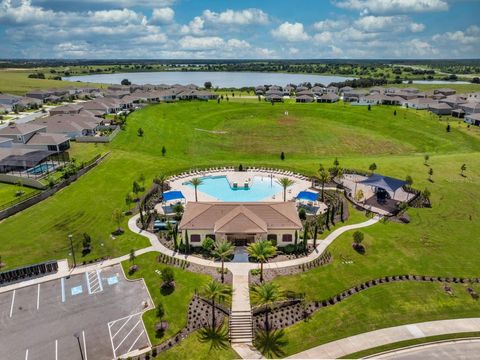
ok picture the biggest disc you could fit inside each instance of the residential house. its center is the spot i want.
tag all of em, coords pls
(444, 91)
(304, 98)
(240, 223)
(9, 100)
(334, 89)
(440, 108)
(473, 119)
(66, 109)
(328, 98)
(71, 125)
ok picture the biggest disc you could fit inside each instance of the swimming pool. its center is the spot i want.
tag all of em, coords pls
(261, 188)
(40, 169)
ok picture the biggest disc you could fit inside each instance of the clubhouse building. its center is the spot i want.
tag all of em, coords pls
(240, 223)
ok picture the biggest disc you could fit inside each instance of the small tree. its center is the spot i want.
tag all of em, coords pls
(136, 188)
(208, 244)
(359, 195)
(128, 201)
(357, 240)
(141, 178)
(126, 82)
(86, 243)
(448, 128)
(282, 156)
(409, 180)
(195, 182)
(315, 234)
(132, 256)
(261, 251)
(302, 214)
(394, 112)
(140, 132)
(305, 237)
(285, 183)
(426, 157)
(372, 167)
(324, 177)
(426, 194)
(369, 107)
(168, 278)
(164, 150)
(187, 242)
(160, 311)
(117, 217)
(296, 239)
(222, 250)
(430, 174)
(463, 168)
(207, 85)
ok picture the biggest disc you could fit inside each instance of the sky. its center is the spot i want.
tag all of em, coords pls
(246, 29)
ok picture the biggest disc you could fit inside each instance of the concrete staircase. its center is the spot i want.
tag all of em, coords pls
(241, 327)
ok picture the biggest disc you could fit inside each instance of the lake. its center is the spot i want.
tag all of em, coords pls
(220, 79)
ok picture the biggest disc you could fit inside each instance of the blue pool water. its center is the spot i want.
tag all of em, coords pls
(261, 188)
(40, 169)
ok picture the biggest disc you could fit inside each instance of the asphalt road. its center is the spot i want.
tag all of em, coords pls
(94, 315)
(458, 350)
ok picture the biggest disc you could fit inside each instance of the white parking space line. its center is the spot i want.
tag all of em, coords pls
(126, 336)
(11, 306)
(38, 296)
(63, 289)
(99, 279)
(138, 337)
(84, 345)
(26, 354)
(87, 277)
(111, 341)
(125, 323)
(56, 349)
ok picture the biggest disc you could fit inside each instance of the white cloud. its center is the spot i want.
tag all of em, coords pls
(399, 23)
(265, 52)
(290, 32)
(392, 6)
(237, 44)
(22, 12)
(194, 27)
(115, 16)
(470, 36)
(152, 39)
(293, 51)
(163, 15)
(415, 48)
(329, 25)
(240, 17)
(324, 37)
(201, 43)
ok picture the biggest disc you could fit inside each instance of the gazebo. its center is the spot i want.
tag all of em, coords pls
(382, 184)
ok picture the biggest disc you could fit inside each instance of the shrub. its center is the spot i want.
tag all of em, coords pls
(208, 244)
(167, 276)
(302, 214)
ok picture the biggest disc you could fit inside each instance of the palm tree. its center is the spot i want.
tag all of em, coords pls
(285, 182)
(261, 251)
(216, 290)
(267, 294)
(195, 182)
(222, 250)
(324, 177)
(160, 181)
(217, 337)
(271, 342)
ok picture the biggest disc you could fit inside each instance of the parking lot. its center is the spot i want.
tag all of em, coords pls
(93, 315)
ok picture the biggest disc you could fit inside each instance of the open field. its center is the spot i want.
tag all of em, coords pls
(7, 193)
(438, 241)
(17, 82)
(176, 303)
(382, 306)
(256, 134)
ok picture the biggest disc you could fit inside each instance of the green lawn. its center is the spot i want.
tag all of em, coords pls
(8, 193)
(408, 343)
(176, 303)
(191, 347)
(256, 134)
(382, 306)
(18, 82)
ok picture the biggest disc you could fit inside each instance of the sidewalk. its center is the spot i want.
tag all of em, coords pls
(372, 339)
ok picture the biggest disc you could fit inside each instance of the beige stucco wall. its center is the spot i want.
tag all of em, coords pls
(203, 234)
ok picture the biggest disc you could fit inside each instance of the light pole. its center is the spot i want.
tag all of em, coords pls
(71, 249)
(79, 345)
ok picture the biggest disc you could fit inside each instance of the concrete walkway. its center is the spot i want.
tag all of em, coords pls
(372, 339)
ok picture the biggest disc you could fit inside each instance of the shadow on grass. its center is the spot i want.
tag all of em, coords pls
(216, 336)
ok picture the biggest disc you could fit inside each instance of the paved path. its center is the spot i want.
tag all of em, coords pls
(445, 350)
(372, 339)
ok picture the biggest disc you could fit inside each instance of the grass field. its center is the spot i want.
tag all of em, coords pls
(383, 306)
(438, 241)
(176, 303)
(256, 134)
(17, 82)
(8, 193)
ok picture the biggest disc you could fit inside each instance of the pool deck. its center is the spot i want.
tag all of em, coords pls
(240, 177)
